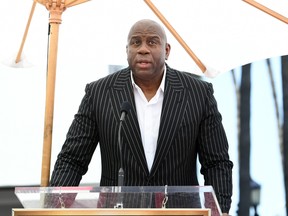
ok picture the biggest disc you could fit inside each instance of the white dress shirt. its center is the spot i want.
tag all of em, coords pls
(149, 113)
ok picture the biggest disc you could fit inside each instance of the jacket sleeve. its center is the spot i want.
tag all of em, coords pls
(213, 152)
(76, 153)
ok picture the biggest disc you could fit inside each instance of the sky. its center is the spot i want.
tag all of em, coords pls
(88, 43)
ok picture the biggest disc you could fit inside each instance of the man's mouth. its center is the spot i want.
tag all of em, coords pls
(143, 64)
(143, 61)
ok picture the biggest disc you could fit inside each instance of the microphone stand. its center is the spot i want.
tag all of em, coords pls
(121, 170)
(119, 203)
(125, 107)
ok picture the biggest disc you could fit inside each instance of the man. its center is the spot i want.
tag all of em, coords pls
(173, 118)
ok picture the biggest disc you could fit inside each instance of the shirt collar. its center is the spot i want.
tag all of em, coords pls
(162, 84)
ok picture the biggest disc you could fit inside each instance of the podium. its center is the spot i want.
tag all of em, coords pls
(124, 200)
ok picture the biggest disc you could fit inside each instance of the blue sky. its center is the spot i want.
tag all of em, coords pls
(266, 167)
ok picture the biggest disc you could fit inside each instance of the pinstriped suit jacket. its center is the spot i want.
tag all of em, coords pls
(190, 125)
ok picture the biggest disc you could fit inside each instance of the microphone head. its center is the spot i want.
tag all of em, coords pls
(125, 107)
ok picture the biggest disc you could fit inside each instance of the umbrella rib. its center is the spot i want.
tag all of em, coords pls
(18, 58)
(75, 2)
(176, 35)
(267, 10)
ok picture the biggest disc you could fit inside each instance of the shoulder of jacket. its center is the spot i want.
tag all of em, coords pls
(189, 79)
(110, 79)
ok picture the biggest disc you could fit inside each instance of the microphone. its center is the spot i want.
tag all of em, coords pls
(125, 107)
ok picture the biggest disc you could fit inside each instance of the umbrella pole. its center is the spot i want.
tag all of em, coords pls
(55, 20)
(56, 8)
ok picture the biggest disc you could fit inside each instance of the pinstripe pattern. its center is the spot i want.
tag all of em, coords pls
(190, 124)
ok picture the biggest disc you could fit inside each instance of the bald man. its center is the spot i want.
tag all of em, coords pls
(173, 119)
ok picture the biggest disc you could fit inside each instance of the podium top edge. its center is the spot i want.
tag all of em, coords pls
(115, 189)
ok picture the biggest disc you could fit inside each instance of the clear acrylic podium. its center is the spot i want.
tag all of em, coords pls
(125, 200)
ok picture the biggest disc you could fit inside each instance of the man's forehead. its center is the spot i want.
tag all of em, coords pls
(146, 29)
(150, 30)
(145, 34)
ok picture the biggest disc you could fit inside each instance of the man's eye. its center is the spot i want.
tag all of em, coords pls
(135, 42)
(152, 42)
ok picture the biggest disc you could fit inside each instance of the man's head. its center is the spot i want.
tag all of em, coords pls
(147, 49)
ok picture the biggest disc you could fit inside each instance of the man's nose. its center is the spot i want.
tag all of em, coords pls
(143, 49)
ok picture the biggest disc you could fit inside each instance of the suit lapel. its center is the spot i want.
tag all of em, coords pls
(122, 91)
(172, 113)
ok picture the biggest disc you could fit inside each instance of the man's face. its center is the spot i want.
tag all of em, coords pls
(147, 50)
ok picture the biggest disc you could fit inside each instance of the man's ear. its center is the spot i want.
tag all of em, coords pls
(167, 48)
